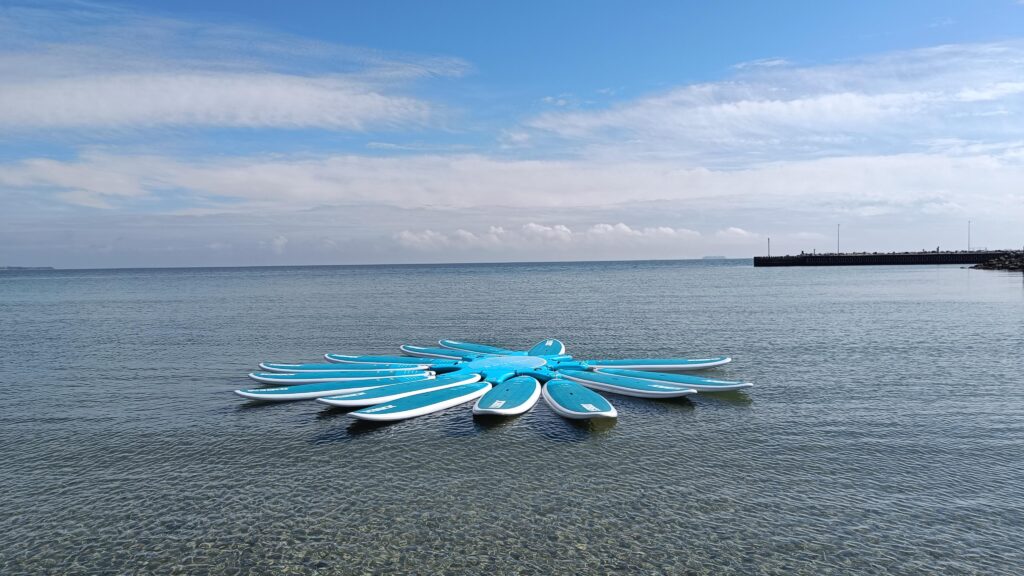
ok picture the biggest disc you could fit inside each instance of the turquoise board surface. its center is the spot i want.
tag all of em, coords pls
(501, 368)
(662, 363)
(334, 367)
(344, 359)
(627, 385)
(333, 376)
(303, 391)
(478, 348)
(418, 404)
(513, 396)
(696, 382)
(573, 400)
(549, 347)
(442, 353)
(368, 396)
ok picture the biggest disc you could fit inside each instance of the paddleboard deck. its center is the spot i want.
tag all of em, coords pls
(478, 348)
(422, 404)
(627, 386)
(549, 347)
(661, 363)
(333, 367)
(442, 353)
(685, 380)
(571, 400)
(307, 391)
(386, 394)
(344, 376)
(346, 359)
(513, 396)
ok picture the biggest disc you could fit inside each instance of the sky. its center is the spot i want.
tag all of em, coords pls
(205, 133)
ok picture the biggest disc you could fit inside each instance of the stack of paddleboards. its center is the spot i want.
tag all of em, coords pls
(427, 380)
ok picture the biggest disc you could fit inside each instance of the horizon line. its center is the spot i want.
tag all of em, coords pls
(465, 263)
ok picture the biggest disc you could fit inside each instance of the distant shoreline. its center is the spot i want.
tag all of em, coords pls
(27, 268)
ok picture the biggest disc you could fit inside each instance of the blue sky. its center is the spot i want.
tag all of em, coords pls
(242, 133)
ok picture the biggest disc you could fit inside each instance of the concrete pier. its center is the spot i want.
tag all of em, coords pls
(881, 259)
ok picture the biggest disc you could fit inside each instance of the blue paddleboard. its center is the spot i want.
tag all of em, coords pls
(347, 359)
(424, 403)
(305, 391)
(384, 394)
(627, 386)
(571, 400)
(343, 376)
(549, 347)
(685, 380)
(333, 367)
(661, 363)
(513, 396)
(442, 353)
(478, 348)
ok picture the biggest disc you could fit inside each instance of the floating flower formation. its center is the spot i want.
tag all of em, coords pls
(503, 382)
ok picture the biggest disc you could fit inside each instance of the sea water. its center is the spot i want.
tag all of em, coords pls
(885, 433)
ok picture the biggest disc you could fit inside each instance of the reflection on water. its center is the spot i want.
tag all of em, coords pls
(487, 423)
(334, 412)
(732, 397)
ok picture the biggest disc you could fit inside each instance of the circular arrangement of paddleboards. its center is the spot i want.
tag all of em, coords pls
(502, 382)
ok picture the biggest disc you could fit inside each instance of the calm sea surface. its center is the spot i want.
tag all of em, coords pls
(885, 433)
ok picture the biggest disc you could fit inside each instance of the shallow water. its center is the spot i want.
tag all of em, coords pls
(885, 434)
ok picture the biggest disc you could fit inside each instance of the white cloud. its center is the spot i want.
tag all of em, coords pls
(208, 99)
(279, 243)
(618, 233)
(84, 198)
(993, 91)
(734, 234)
(771, 110)
(423, 240)
(762, 63)
(553, 241)
(980, 182)
(514, 138)
(100, 67)
(560, 101)
(556, 233)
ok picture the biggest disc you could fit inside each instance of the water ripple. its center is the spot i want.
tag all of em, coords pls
(883, 436)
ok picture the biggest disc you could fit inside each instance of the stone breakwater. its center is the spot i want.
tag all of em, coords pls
(881, 258)
(1008, 261)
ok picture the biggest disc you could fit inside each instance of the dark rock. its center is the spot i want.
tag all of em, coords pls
(1009, 261)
